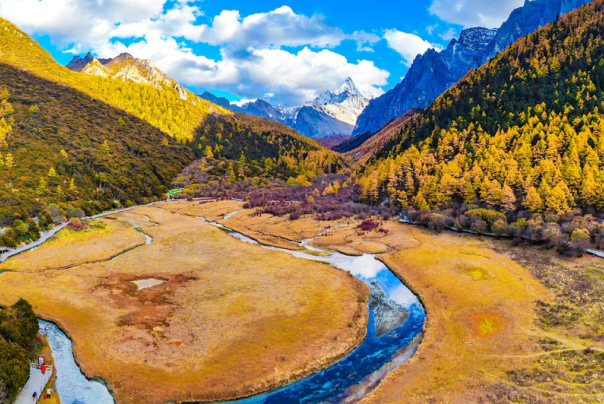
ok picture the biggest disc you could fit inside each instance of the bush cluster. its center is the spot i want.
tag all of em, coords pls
(571, 233)
(18, 330)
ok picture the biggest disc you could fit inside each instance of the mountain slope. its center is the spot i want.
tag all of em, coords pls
(363, 146)
(434, 72)
(125, 67)
(525, 131)
(60, 145)
(163, 108)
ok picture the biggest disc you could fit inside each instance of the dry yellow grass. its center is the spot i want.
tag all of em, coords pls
(504, 324)
(232, 319)
(68, 248)
(211, 211)
(486, 337)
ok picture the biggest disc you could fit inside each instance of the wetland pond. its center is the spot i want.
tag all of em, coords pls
(395, 322)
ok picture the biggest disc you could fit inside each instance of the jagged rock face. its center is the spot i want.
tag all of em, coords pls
(433, 73)
(387, 313)
(222, 101)
(430, 75)
(78, 63)
(527, 19)
(125, 67)
(264, 109)
(345, 104)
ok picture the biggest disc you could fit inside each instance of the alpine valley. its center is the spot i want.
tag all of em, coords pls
(441, 242)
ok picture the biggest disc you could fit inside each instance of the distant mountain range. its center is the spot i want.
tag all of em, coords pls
(432, 73)
(329, 118)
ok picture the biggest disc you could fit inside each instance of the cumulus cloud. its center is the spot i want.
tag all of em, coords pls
(281, 27)
(365, 40)
(70, 21)
(407, 45)
(448, 34)
(475, 13)
(252, 62)
(291, 78)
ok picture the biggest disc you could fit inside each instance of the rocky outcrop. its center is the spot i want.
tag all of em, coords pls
(314, 121)
(387, 313)
(430, 75)
(78, 63)
(527, 19)
(125, 67)
(433, 73)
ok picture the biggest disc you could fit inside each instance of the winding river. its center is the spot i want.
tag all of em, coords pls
(347, 381)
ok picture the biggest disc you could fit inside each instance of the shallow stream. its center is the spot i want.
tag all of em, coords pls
(347, 381)
(352, 378)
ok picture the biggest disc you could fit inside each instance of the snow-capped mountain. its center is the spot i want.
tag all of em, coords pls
(331, 114)
(433, 73)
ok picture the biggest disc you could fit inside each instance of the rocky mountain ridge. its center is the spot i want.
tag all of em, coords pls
(125, 67)
(432, 73)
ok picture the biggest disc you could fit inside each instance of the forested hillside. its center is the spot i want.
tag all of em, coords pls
(259, 139)
(163, 108)
(239, 153)
(58, 145)
(526, 131)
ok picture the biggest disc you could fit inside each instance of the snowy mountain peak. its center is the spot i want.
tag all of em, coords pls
(351, 87)
(346, 90)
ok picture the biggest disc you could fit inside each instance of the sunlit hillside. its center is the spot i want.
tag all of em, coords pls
(163, 108)
(524, 132)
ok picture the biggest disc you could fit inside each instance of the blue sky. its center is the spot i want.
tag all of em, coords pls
(285, 51)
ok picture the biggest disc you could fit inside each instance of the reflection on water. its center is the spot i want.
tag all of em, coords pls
(71, 384)
(349, 380)
(148, 283)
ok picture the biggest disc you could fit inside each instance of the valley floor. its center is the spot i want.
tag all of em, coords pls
(504, 323)
(230, 320)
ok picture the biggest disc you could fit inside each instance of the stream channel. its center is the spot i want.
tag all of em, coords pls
(396, 318)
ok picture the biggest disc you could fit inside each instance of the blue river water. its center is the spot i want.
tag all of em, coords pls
(71, 384)
(347, 381)
(352, 378)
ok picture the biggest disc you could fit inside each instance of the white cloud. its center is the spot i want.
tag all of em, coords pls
(291, 78)
(70, 21)
(251, 64)
(407, 45)
(448, 34)
(280, 27)
(431, 28)
(475, 13)
(365, 38)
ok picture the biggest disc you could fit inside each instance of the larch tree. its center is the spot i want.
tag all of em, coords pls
(533, 201)
(557, 201)
(509, 199)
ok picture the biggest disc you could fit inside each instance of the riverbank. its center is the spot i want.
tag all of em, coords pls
(192, 337)
(504, 323)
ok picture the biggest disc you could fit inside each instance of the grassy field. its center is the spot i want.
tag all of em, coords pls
(504, 324)
(68, 248)
(231, 320)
